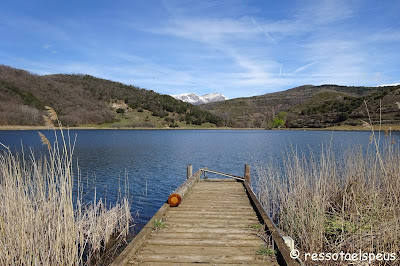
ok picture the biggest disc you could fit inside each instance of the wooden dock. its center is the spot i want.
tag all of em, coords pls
(216, 223)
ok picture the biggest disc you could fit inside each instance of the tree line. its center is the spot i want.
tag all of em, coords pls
(82, 99)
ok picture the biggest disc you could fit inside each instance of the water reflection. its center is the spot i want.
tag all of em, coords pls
(153, 162)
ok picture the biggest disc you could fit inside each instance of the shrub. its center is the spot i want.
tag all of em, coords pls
(278, 122)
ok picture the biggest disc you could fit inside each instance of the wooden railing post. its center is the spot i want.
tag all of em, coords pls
(189, 171)
(247, 172)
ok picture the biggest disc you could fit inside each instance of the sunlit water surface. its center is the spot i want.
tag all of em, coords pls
(153, 162)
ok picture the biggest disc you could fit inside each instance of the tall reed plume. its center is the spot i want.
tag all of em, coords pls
(331, 204)
(42, 221)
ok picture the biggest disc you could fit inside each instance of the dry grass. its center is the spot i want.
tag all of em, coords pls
(42, 221)
(333, 205)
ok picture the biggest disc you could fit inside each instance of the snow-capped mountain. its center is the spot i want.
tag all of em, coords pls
(387, 85)
(195, 99)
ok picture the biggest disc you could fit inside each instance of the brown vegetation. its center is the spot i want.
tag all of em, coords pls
(42, 219)
(309, 107)
(330, 205)
(83, 99)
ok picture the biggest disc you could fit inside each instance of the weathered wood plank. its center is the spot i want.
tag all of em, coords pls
(213, 208)
(140, 238)
(201, 229)
(208, 242)
(196, 235)
(244, 225)
(206, 221)
(283, 252)
(212, 225)
(200, 250)
(226, 259)
(229, 180)
(212, 211)
(136, 263)
(210, 215)
(206, 203)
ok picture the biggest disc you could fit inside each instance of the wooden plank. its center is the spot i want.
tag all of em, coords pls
(212, 211)
(228, 219)
(182, 250)
(223, 193)
(136, 263)
(207, 242)
(221, 183)
(213, 208)
(218, 230)
(211, 225)
(189, 171)
(140, 238)
(220, 203)
(243, 225)
(247, 173)
(210, 215)
(218, 180)
(281, 248)
(195, 235)
(244, 259)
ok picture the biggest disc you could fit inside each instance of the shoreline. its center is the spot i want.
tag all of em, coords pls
(335, 128)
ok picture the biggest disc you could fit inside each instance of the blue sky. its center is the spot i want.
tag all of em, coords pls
(238, 48)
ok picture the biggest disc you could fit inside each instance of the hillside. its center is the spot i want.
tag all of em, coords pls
(86, 100)
(310, 106)
(83, 100)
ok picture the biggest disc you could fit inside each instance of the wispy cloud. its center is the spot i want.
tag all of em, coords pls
(305, 66)
(236, 47)
(263, 31)
(326, 11)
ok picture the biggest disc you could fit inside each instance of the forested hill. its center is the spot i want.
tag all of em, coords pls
(83, 99)
(311, 106)
(86, 100)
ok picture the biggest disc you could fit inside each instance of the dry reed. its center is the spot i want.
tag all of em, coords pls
(42, 221)
(329, 204)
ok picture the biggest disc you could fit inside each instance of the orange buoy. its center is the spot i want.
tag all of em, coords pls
(174, 200)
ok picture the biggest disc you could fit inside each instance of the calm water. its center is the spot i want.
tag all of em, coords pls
(155, 160)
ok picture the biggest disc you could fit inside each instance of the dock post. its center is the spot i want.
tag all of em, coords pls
(189, 171)
(247, 172)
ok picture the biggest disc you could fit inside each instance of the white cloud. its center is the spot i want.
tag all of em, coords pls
(305, 66)
(234, 47)
(388, 35)
(326, 11)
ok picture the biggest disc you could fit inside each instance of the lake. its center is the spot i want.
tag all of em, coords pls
(154, 161)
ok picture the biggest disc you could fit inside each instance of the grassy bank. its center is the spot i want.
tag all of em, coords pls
(330, 204)
(182, 125)
(43, 218)
(363, 128)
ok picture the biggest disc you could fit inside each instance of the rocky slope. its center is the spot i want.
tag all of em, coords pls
(195, 99)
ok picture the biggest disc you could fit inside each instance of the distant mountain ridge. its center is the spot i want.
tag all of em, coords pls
(311, 106)
(86, 100)
(389, 85)
(196, 99)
